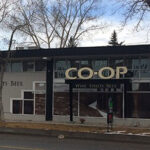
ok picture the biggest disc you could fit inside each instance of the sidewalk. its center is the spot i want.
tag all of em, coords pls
(81, 131)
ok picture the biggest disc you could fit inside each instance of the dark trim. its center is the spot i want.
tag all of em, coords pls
(81, 51)
(49, 91)
(125, 97)
(96, 81)
(127, 87)
(71, 102)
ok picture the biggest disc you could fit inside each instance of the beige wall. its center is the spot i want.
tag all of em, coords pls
(14, 83)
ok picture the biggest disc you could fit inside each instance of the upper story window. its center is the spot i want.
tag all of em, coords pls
(133, 63)
(145, 64)
(81, 63)
(115, 62)
(62, 65)
(60, 68)
(40, 66)
(28, 66)
(25, 66)
(8, 67)
(16, 66)
(97, 64)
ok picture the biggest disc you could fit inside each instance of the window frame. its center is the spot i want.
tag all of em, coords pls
(11, 63)
(24, 61)
(22, 99)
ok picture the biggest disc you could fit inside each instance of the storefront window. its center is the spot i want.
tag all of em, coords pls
(40, 97)
(138, 105)
(88, 104)
(61, 103)
(40, 100)
(28, 102)
(140, 86)
(17, 107)
(61, 100)
(28, 107)
(28, 95)
(95, 104)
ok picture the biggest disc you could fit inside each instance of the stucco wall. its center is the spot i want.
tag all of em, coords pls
(14, 83)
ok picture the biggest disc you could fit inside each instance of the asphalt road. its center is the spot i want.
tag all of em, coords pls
(24, 142)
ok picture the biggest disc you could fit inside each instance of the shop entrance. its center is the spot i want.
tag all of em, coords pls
(94, 96)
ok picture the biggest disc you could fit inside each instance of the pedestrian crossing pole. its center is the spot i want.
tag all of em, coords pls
(110, 115)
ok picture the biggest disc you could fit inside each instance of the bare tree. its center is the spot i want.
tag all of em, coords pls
(5, 9)
(50, 21)
(3, 13)
(135, 9)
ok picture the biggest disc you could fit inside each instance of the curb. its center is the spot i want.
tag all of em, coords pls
(78, 135)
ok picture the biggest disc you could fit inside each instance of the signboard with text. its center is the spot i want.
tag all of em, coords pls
(74, 73)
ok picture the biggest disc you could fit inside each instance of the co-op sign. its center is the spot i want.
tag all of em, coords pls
(114, 73)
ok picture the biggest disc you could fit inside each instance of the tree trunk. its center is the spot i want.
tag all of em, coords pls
(1, 91)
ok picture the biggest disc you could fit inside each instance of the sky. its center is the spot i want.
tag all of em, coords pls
(128, 34)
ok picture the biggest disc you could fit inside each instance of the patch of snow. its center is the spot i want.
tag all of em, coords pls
(116, 132)
(124, 132)
(143, 134)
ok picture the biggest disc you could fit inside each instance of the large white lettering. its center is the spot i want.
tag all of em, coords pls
(113, 73)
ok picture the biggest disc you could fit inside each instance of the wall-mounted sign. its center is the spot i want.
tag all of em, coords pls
(79, 74)
(97, 86)
(13, 83)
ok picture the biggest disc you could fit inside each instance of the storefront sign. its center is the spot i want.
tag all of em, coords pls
(113, 73)
(97, 86)
(13, 83)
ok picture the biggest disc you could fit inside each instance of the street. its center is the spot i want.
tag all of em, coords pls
(25, 142)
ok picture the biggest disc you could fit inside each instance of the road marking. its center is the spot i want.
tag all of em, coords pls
(20, 148)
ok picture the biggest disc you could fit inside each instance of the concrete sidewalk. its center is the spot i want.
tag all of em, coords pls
(80, 131)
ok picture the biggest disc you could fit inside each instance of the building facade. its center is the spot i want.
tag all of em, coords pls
(35, 85)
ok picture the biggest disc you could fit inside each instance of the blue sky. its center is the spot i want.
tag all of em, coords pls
(101, 37)
(115, 20)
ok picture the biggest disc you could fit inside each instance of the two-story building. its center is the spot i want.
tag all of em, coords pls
(35, 85)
